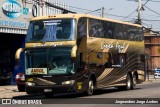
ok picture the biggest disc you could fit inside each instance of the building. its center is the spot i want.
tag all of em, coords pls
(14, 21)
(152, 49)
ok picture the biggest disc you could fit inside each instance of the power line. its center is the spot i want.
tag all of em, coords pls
(146, 2)
(152, 10)
(150, 20)
(96, 11)
(116, 15)
(135, 10)
(80, 8)
(129, 15)
(155, 16)
(154, 1)
(152, 26)
(93, 11)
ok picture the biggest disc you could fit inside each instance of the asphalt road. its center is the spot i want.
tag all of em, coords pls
(147, 94)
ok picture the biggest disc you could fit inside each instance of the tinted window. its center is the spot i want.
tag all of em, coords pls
(96, 28)
(121, 31)
(105, 29)
(82, 27)
(51, 30)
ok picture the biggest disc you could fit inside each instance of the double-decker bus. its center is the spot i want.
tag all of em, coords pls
(81, 53)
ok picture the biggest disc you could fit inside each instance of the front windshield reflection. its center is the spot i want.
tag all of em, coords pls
(56, 60)
(51, 30)
(60, 65)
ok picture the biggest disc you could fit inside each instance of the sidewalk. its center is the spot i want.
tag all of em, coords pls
(152, 79)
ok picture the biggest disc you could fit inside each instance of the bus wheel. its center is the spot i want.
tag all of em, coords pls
(48, 95)
(134, 82)
(128, 82)
(90, 88)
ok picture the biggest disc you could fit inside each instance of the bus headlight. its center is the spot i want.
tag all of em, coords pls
(30, 84)
(71, 82)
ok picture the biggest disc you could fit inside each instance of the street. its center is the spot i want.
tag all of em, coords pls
(110, 96)
(144, 90)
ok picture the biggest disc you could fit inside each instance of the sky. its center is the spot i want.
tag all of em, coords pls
(120, 9)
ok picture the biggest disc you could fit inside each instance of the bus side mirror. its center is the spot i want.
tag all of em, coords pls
(18, 53)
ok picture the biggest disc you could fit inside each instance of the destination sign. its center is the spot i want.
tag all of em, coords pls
(31, 71)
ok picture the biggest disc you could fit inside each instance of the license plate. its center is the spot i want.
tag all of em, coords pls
(47, 90)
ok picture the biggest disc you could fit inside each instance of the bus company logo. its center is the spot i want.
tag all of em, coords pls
(11, 9)
(105, 45)
(37, 71)
(56, 44)
(39, 45)
(118, 46)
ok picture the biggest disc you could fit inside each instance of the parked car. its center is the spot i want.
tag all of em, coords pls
(5, 76)
(157, 73)
(20, 80)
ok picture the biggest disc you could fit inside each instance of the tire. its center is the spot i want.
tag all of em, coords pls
(134, 82)
(21, 88)
(128, 82)
(90, 89)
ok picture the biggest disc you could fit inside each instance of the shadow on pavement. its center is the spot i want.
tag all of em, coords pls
(70, 95)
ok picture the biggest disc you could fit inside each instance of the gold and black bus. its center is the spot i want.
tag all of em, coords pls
(81, 53)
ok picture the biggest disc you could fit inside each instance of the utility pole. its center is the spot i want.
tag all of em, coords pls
(41, 3)
(138, 21)
(102, 9)
(139, 11)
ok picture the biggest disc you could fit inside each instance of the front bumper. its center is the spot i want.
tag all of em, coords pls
(55, 89)
(20, 82)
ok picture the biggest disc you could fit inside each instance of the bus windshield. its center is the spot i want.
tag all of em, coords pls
(55, 60)
(51, 30)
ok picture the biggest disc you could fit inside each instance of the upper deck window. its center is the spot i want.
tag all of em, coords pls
(51, 30)
(113, 30)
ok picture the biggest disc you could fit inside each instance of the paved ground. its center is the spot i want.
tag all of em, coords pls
(10, 91)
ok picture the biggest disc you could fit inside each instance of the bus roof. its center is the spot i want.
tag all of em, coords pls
(83, 15)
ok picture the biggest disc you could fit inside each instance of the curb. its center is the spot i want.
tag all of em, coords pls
(152, 80)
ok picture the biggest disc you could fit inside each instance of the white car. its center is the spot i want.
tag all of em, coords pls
(156, 75)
